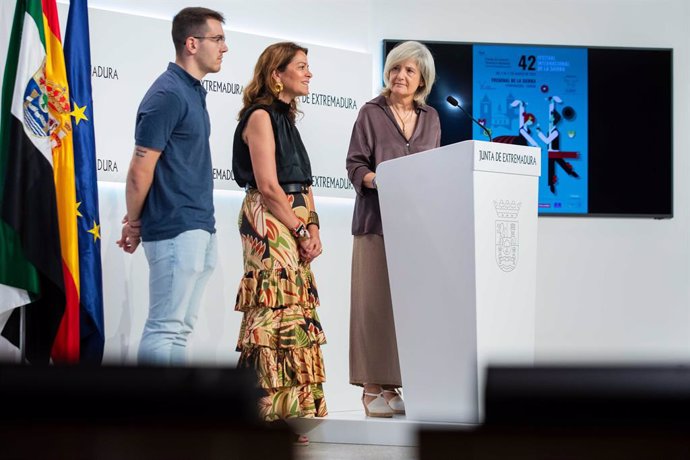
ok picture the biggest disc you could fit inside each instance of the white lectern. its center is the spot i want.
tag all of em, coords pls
(460, 226)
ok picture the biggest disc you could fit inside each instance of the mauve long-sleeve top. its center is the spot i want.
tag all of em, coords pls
(376, 137)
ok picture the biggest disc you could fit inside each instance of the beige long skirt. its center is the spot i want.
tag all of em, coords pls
(373, 346)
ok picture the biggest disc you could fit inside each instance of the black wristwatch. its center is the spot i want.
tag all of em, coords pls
(300, 232)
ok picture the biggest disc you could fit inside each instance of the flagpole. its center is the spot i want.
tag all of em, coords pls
(22, 335)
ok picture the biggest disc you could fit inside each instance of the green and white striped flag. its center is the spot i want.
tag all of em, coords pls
(11, 296)
(32, 102)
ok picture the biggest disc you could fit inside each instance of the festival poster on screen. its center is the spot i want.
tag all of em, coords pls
(537, 96)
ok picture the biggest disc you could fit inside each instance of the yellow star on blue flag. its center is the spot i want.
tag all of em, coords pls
(78, 113)
(95, 231)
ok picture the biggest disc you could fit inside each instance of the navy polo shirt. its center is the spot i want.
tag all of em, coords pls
(173, 118)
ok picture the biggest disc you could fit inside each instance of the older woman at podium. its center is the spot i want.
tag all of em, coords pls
(396, 123)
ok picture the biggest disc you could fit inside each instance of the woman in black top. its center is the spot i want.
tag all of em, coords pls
(281, 335)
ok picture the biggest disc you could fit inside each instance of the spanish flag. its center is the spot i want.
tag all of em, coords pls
(37, 198)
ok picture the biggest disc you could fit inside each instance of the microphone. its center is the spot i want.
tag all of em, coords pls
(454, 102)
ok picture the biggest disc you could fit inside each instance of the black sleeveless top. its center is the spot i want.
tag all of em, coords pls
(292, 161)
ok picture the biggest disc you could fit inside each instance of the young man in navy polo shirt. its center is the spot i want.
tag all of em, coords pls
(169, 187)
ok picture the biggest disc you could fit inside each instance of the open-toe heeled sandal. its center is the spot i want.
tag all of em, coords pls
(300, 440)
(396, 403)
(378, 407)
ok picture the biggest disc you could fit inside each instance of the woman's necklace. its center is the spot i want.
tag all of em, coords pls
(402, 121)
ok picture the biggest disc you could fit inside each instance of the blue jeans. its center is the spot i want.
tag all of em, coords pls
(178, 271)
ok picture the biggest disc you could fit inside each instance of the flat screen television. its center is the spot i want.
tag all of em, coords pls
(603, 118)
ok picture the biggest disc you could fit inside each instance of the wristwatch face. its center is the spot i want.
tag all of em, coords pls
(300, 232)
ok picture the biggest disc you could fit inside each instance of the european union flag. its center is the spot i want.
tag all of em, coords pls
(78, 61)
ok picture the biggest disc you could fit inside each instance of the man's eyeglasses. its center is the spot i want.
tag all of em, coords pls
(216, 38)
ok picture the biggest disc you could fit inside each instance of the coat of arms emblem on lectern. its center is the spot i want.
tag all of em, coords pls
(507, 234)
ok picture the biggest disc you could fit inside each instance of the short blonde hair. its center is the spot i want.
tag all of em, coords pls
(424, 60)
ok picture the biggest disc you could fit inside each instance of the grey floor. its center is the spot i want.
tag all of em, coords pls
(322, 451)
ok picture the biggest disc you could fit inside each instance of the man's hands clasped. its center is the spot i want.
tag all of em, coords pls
(131, 235)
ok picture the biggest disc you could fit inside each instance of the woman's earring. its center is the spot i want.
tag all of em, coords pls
(277, 88)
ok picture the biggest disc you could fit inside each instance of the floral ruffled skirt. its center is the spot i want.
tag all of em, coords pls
(281, 335)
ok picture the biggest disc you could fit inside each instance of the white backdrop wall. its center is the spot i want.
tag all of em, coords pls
(120, 78)
(607, 290)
